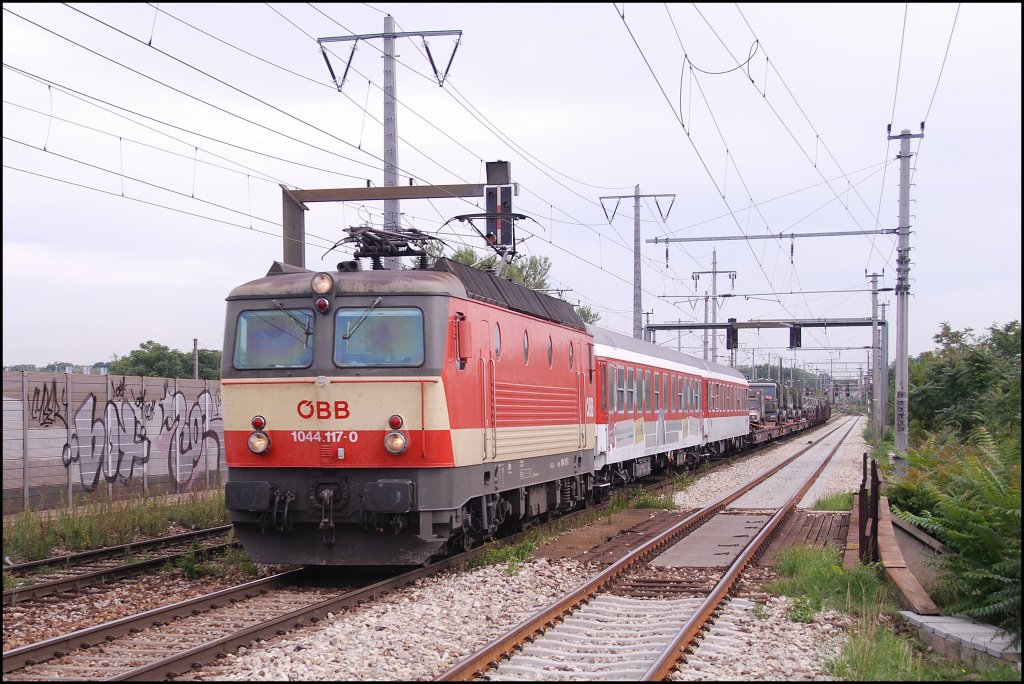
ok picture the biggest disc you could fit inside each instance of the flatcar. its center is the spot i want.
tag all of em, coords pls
(390, 417)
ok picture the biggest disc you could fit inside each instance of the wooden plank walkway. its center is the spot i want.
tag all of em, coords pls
(809, 528)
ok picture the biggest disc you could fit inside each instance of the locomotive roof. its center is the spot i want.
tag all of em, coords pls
(447, 277)
(489, 288)
(284, 280)
(629, 343)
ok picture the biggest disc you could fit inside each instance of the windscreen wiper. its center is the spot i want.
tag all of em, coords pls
(349, 332)
(298, 321)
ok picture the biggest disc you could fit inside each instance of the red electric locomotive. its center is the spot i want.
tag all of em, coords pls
(387, 417)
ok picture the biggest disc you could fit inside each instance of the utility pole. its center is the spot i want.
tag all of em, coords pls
(195, 358)
(876, 391)
(884, 344)
(391, 207)
(714, 301)
(650, 333)
(903, 293)
(705, 324)
(637, 296)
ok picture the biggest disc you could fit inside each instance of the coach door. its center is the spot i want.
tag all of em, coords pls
(661, 387)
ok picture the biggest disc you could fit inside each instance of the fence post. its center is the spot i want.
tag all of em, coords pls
(24, 440)
(862, 508)
(177, 441)
(876, 489)
(67, 412)
(108, 446)
(145, 429)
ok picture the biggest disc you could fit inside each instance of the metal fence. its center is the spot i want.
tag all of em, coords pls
(71, 439)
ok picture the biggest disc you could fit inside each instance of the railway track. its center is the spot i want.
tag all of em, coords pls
(627, 623)
(169, 641)
(74, 572)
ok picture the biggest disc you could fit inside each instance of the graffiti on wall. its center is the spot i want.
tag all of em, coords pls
(46, 404)
(112, 440)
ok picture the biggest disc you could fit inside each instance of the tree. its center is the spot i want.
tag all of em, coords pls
(156, 360)
(587, 314)
(531, 272)
(968, 382)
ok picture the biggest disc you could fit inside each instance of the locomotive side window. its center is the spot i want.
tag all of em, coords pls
(526, 347)
(378, 337)
(570, 356)
(497, 341)
(551, 350)
(280, 338)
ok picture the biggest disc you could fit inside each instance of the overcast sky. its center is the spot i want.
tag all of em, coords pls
(144, 149)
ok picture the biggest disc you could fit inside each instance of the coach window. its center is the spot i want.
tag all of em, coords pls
(274, 339)
(620, 390)
(630, 388)
(526, 347)
(604, 389)
(497, 341)
(639, 395)
(648, 404)
(657, 391)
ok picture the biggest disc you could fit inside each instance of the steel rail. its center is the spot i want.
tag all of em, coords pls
(477, 663)
(689, 632)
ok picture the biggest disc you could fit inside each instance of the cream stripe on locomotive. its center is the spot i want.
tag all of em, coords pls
(381, 397)
(510, 444)
(308, 405)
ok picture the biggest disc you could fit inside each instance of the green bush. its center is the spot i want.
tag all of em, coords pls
(967, 494)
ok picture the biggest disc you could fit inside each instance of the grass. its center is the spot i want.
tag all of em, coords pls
(511, 556)
(31, 536)
(649, 500)
(843, 501)
(816, 580)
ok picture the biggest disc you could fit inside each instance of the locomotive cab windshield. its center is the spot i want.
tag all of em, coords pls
(378, 337)
(274, 339)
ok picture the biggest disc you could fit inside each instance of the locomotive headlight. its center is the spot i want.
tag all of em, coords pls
(259, 442)
(395, 443)
(322, 283)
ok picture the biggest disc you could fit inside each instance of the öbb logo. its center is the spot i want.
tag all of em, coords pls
(322, 410)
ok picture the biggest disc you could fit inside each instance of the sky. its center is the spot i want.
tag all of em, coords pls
(145, 147)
